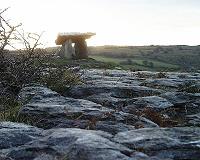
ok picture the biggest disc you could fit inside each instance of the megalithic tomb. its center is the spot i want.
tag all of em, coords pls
(79, 50)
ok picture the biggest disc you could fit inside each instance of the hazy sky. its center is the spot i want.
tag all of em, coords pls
(116, 22)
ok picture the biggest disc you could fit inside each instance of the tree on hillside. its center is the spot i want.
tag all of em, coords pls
(145, 63)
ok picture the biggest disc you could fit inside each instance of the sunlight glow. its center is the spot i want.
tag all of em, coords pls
(115, 22)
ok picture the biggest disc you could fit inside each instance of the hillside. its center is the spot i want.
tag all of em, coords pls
(154, 58)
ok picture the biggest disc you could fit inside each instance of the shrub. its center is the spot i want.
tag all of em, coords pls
(145, 63)
(151, 64)
(9, 107)
(189, 87)
(143, 75)
(161, 75)
(157, 117)
(60, 78)
(21, 67)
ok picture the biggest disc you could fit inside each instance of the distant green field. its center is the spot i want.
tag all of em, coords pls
(154, 58)
(136, 63)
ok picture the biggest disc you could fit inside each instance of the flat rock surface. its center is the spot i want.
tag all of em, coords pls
(175, 143)
(61, 143)
(115, 114)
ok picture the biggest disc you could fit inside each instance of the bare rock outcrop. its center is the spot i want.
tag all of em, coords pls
(115, 115)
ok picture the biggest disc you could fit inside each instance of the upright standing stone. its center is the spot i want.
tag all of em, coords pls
(81, 50)
(67, 50)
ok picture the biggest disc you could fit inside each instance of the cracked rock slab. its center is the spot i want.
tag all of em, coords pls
(181, 143)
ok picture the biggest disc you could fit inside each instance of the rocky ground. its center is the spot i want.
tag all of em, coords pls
(114, 115)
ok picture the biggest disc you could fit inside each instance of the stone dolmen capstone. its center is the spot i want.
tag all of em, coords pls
(79, 51)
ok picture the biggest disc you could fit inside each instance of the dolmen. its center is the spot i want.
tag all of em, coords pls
(77, 51)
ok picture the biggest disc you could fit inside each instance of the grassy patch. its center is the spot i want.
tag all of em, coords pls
(9, 109)
(61, 78)
(84, 63)
(137, 64)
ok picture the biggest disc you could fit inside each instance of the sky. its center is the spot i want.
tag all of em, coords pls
(115, 22)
